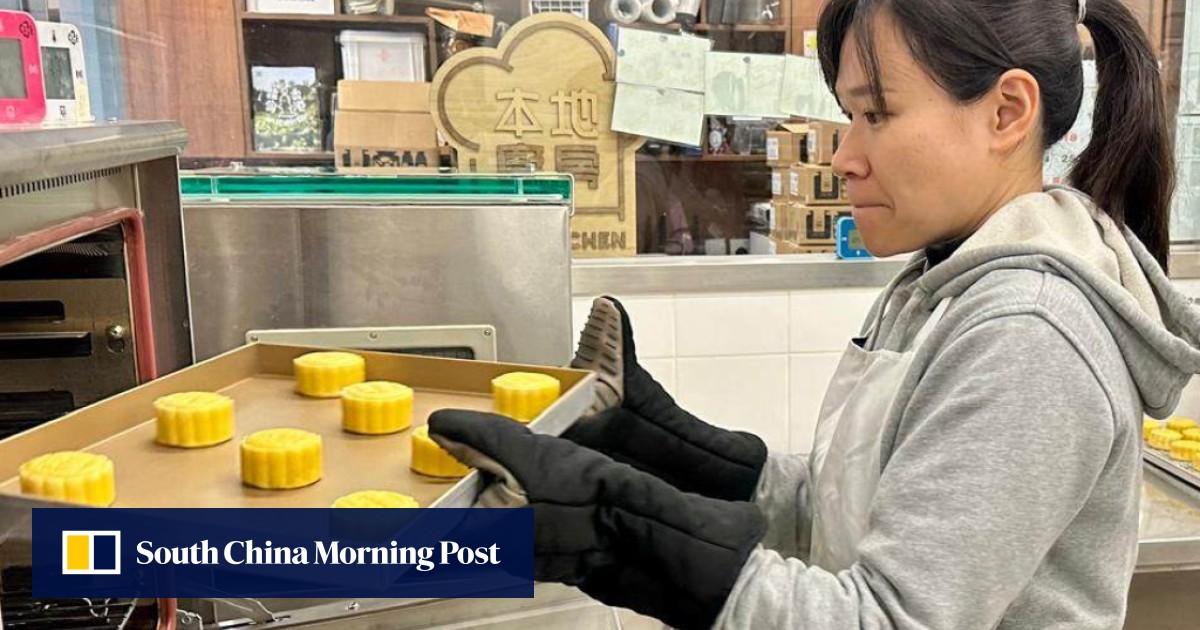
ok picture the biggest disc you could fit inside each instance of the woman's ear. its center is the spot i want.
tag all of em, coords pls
(1015, 104)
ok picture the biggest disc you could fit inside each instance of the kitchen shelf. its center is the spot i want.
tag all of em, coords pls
(337, 20)
(316, 156)
(742, 28)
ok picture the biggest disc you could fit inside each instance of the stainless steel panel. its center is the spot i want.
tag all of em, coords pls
(698, 274)
(295, 266)
(1164, 601)
(157, 188)
(480, 340)
(1185, 262)
(33, 153)
(1169, 535)
(37, 210)
(244, 272)
(545, 610)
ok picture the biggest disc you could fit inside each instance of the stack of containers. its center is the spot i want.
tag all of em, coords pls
(807, 196)
(383, 122)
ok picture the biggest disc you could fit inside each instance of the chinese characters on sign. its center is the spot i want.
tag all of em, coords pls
(542, 102)
(576, 118)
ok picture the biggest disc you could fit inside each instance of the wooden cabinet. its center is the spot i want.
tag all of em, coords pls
(182, 62)
(190, 60)
(804, 16)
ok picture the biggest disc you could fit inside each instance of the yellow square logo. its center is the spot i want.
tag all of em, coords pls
(91, 552)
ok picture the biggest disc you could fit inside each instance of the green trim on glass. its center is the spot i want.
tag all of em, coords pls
(415, 186)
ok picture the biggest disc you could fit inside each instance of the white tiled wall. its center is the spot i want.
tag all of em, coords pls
(753, 361)
(823, 321)
(731, 324)
(748, 393)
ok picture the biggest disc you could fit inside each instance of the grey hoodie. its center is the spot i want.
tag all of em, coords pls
(1011, 464)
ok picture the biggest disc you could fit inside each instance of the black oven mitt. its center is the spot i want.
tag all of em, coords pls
(620, 535)
(635, 421)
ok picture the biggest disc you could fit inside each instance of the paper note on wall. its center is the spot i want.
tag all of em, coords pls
(739, 84)
(672, 115)
(661, 60)
(804, 92)
(1189, 75)
(1185, 208)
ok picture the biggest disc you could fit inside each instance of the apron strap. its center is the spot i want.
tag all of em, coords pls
(881, 306)
(936, 316)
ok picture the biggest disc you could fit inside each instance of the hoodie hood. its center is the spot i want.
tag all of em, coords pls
(1061, 230)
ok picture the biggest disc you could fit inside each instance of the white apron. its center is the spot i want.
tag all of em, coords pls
(844, 466)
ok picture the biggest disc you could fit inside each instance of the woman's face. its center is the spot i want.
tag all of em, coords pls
(927, 170)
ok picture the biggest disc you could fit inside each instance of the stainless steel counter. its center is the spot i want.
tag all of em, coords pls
(727, 274)
(738, 274)
(1169, 537)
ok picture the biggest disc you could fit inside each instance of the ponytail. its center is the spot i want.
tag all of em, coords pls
(1128, 168)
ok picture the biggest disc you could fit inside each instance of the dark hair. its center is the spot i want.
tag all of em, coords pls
(965, 45)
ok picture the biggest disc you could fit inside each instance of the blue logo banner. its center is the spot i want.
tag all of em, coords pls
(125, 552)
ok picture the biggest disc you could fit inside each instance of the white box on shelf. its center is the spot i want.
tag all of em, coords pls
(318, 7)
(383, 56)
(761, 245)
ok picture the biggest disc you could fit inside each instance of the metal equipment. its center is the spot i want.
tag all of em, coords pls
(311, 251)
(93, 301)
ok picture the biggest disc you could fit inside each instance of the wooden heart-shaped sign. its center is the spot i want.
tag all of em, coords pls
(542, 102)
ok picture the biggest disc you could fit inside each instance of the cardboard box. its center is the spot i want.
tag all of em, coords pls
(789, 222)
(813, 185)
(778, 214)
(780, 246)
(787, 144)
(784, 221)
(815, 225)
(822, 142)
(385, 124)
(779, 182)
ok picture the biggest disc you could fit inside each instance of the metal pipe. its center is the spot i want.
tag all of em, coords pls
(167, 607)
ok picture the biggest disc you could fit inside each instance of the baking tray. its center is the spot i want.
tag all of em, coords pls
(259, 379)
(1181, 471)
